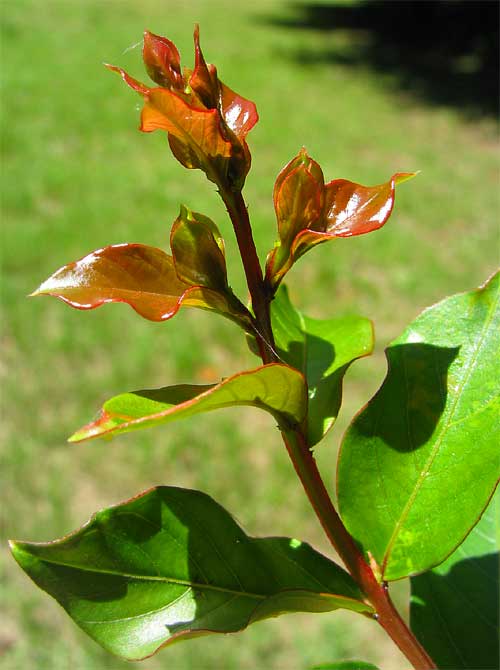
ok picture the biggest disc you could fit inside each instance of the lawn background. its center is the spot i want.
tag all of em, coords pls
(76, 175)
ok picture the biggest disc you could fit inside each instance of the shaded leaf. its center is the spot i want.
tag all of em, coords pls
(141, 276)
(172, 564)
(419, 463)
(276, 388)
(455, 607)
(322, 350)
(198, 251)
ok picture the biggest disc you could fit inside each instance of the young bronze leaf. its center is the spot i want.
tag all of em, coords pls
(143, 277)
(322, 350)
(310, 212)
(205, 120)
(172, 564)
(455, 608)
(350, 209)
(162, 61)
(276, 388)
(419, 464)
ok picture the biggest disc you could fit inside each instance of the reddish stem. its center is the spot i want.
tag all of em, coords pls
(303, 459)
(343, 543)
(253, 272)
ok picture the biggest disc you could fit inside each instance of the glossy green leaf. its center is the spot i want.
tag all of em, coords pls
(455, 608)
(322, 350)
(198, 251)
(346, 665)
(276, 388)
(419, 464)
(141, 276)
(172, 564)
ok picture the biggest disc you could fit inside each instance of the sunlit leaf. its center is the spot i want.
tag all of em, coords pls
(310, 212)
(162, 61)
(200, 128)
(172, 564)
(206, 121)
(351, 209)
(322, 350)
(239, 113)
(455, 608)
(276, 388)
(419, 464)
(143, 277)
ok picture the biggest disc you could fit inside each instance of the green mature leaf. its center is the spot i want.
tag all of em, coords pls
(346, 665)
(172, 564)
(455, 607)
(322, 350)
(141, 276)
(276, 388)
(419, 464)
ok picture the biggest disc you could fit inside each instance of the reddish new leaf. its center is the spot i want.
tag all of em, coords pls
(141, 276)
(162, 61)
(350, 209)
(239, 113)
(205, 120)
(199, 128)
(347, 209)
(203, 80)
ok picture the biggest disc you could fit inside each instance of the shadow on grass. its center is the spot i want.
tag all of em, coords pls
(443, 51)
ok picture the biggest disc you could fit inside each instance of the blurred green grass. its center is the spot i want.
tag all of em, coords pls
(77, 176)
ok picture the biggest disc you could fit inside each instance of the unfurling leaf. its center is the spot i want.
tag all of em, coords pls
(310, 212)
(205, 120)
(173, 564)
(322, 350)
(455, 608)
(419, 464)
(276, 388)
(198, 251)
(143, 277)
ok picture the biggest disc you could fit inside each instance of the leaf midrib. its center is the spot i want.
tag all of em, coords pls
(154, 578)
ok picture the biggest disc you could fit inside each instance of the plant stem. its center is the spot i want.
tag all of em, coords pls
(253, 272)
(377, 593)
(303, 459)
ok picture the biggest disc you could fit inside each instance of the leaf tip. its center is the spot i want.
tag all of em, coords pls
(401, 177)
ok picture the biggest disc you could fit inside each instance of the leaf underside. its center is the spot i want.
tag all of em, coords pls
(171, 564)
(419, 464)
